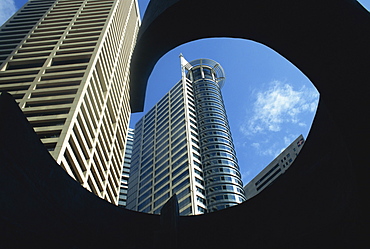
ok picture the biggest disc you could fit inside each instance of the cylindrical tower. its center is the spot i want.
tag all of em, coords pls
(222, 178)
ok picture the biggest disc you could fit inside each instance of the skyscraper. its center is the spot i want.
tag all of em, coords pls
(66, 62)
(126, 168)
(183, 146)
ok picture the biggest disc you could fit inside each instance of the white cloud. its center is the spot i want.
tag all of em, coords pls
(7, 9)
(277, 105)
(266, 148)
(288, 139)
(255, 145)
(271, 148)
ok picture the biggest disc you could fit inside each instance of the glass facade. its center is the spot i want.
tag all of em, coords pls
(222, 178)
(183, 146)
(166, 156)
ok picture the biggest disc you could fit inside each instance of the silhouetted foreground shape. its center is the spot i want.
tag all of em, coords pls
(320, 202)
(43, 207)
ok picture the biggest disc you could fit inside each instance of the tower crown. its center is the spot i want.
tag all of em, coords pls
(205, 68)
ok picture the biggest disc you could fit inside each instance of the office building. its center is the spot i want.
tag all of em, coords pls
(276, 168)
(66, 62)
(183, 146)
(126, 168)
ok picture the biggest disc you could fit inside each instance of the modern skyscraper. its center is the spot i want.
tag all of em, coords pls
(183, 146)
(126, 168)
(277, 167)
(66, 62)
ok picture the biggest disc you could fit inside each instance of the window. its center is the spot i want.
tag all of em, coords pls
(197, 156)
(162, 175)
(161, 200)
(162, 153)
(200, 190)
(267, 174)
(201, 200)
(179, 169)
(201, 210)
(160, 167)
(207, 73)
(179, 153)
(149, 171)
(25, 64)
(141, 198)
(198, 172)
(160, 184)
(180, 177)
(186, 211)
(143, 189)
(183, 193)
(70, 60)
(161, 191)
(177, 147)
(199, 181)
(185, 202)
(180, 186)
(196, 74)
(146, 202)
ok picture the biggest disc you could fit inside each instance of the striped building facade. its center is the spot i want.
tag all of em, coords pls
(66, 62)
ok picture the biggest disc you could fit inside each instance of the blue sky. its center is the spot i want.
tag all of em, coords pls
(269, 102)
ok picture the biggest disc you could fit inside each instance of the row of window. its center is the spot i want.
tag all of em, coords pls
(267, 174)
(199, 73)
(229, 198)
(218, 147)
(218, 154)
(200, 87)
(218, 179)
(224, 188)
(222, 170)
(222, 162)
(216, 133)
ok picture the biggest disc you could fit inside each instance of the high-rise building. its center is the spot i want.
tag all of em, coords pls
(183, 146)
(126, 168)
(66, 62)
(277, 167)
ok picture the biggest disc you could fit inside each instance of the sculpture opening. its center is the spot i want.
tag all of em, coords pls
(269, 104)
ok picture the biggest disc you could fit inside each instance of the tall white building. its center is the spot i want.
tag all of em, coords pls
(183, 146)
(66, 62)
(277, 167)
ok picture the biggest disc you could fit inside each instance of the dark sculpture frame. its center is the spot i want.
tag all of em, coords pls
(320, 202)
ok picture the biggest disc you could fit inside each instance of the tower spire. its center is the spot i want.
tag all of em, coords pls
(183, 63)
